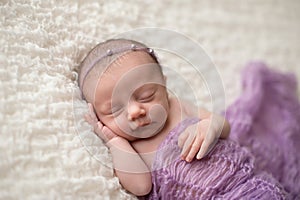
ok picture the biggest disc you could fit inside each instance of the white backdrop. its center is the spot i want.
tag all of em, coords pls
(44, 153)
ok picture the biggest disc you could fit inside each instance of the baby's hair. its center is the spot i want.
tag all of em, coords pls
(104, 54)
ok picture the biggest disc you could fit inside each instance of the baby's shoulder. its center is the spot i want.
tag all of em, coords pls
(183, 107)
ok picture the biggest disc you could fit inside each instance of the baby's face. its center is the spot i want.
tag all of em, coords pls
(131, 98)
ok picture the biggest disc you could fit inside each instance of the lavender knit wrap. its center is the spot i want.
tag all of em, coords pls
(260, 160)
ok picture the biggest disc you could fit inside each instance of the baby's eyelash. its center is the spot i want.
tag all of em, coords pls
(147, 97)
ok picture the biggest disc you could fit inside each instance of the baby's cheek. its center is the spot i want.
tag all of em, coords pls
(158, 113)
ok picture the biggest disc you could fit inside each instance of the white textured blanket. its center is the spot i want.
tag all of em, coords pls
(44, 152)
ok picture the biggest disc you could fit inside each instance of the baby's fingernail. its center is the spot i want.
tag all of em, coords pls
(199, 156)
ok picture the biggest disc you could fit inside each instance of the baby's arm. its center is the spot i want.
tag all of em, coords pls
(199, 139)
(131, 170)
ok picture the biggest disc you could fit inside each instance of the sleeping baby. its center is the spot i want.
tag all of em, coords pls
(163, 147)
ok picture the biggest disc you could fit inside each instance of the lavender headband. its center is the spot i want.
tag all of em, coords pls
(130, 47)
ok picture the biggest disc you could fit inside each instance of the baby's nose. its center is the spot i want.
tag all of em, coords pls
(135, 110)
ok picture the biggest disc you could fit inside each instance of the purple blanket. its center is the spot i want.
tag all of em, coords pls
(266, 118)
(259, 161)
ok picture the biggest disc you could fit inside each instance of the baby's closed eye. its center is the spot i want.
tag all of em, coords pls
(146, 96)
(114, 110)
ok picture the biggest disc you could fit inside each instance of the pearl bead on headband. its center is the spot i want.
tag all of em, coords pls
(100, 55)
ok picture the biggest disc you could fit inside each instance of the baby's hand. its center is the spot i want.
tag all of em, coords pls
(102, 131)
(199, 139)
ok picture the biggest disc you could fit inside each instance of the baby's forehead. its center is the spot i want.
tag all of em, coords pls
(133, 68)
(124, 63)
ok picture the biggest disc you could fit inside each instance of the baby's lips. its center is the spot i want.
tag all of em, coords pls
(133, 125)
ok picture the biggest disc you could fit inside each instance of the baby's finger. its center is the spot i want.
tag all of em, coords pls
(99, 126)
(206, 147)
(207, 140)
(203, 149)
(88, 119)
(108, 134)
(187, 146)
(99, 131)
(182, 138)
(194, 148)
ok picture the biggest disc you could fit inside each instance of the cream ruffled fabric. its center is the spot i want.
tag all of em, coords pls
(44, 152)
